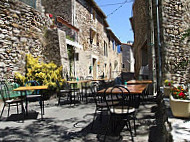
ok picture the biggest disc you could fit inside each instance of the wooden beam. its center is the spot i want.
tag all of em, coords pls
(62, 21)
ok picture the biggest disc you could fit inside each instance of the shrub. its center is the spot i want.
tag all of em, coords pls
(44, 73)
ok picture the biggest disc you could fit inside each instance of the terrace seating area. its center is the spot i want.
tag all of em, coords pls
(67, 122)
(63, 105)
(110, 112)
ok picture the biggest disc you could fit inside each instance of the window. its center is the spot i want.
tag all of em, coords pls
(123, 66)
(76, 56)
(113, 42)
(105, 49)
(93, 37)
(93, 14)
(118, 48)
(97, 40)
(31, 3)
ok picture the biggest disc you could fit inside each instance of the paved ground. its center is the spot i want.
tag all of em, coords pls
(68, 123)
(180, 127)
(72, 123)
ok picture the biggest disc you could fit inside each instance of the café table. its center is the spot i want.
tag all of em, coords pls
(139, 82)
(134, 89)
(29, 88)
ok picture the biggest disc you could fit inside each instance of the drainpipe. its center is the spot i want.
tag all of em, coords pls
(159, 76)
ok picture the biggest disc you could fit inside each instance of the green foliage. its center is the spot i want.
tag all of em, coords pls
(70, 51)
(45, 74)
(70, 38)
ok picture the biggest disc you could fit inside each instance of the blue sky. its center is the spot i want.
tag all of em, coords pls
(118, 21)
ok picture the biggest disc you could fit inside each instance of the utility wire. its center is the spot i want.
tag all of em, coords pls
(112, 4)
(115, 3)
(119, 7)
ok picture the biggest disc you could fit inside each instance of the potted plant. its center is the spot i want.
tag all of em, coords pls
(167, 87)
(180, 102)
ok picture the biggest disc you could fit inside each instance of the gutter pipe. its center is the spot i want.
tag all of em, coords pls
(159, 76)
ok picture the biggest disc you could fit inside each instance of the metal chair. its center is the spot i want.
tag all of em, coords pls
(89, 78)
(123, 110)
(10, 100)
(63, 91)
(34, 96)
(99, 102)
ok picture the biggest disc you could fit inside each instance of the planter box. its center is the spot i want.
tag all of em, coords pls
(167, 91)
(180, 108)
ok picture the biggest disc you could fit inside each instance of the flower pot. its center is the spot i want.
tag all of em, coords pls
(180, 108)
(167, 90)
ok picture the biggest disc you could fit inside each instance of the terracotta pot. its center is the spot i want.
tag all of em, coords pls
(167, 90)
(180, 108)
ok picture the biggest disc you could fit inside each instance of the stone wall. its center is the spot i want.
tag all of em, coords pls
(175, 20)
(139, 24)
(23, 30)
(61, 8)
(126, 50)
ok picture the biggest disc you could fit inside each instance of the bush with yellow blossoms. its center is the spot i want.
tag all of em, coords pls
(44, 73)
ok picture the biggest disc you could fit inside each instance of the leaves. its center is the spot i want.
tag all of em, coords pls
(45, 74)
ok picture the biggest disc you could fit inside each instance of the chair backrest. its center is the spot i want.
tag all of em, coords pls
(65, 85)
(89, 78)
(81, 78)
(5, 95)
(98, 98)
(32, 83)
(131, 99)
(7, 90)
(118, 97)
(71, 78)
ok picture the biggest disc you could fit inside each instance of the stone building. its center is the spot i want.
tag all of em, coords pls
(91, 45)
(160, 29)
(140, 27)
(71, 33)
(127, 57)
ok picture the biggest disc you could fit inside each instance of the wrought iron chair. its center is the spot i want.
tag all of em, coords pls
(10, 99)
(89, 78)
(63, 91)
(122, 111)
(99, 102)
(34, 96)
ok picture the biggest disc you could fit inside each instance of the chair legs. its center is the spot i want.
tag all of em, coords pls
(94, 118)
(2, 110)
(129, 124)
(22, 107)
(8, 110)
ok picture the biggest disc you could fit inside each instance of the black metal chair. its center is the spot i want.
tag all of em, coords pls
(101, 105)
(63, 91)
(35, 95)
(10, 100)
(89, 78)
(124, 110)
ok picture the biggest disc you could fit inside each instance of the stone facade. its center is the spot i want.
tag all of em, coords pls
(127, 58)
(23, 30)
(91, 38)
(139, 25)
(175, 20)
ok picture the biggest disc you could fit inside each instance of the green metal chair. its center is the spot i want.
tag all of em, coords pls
(10, 99)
